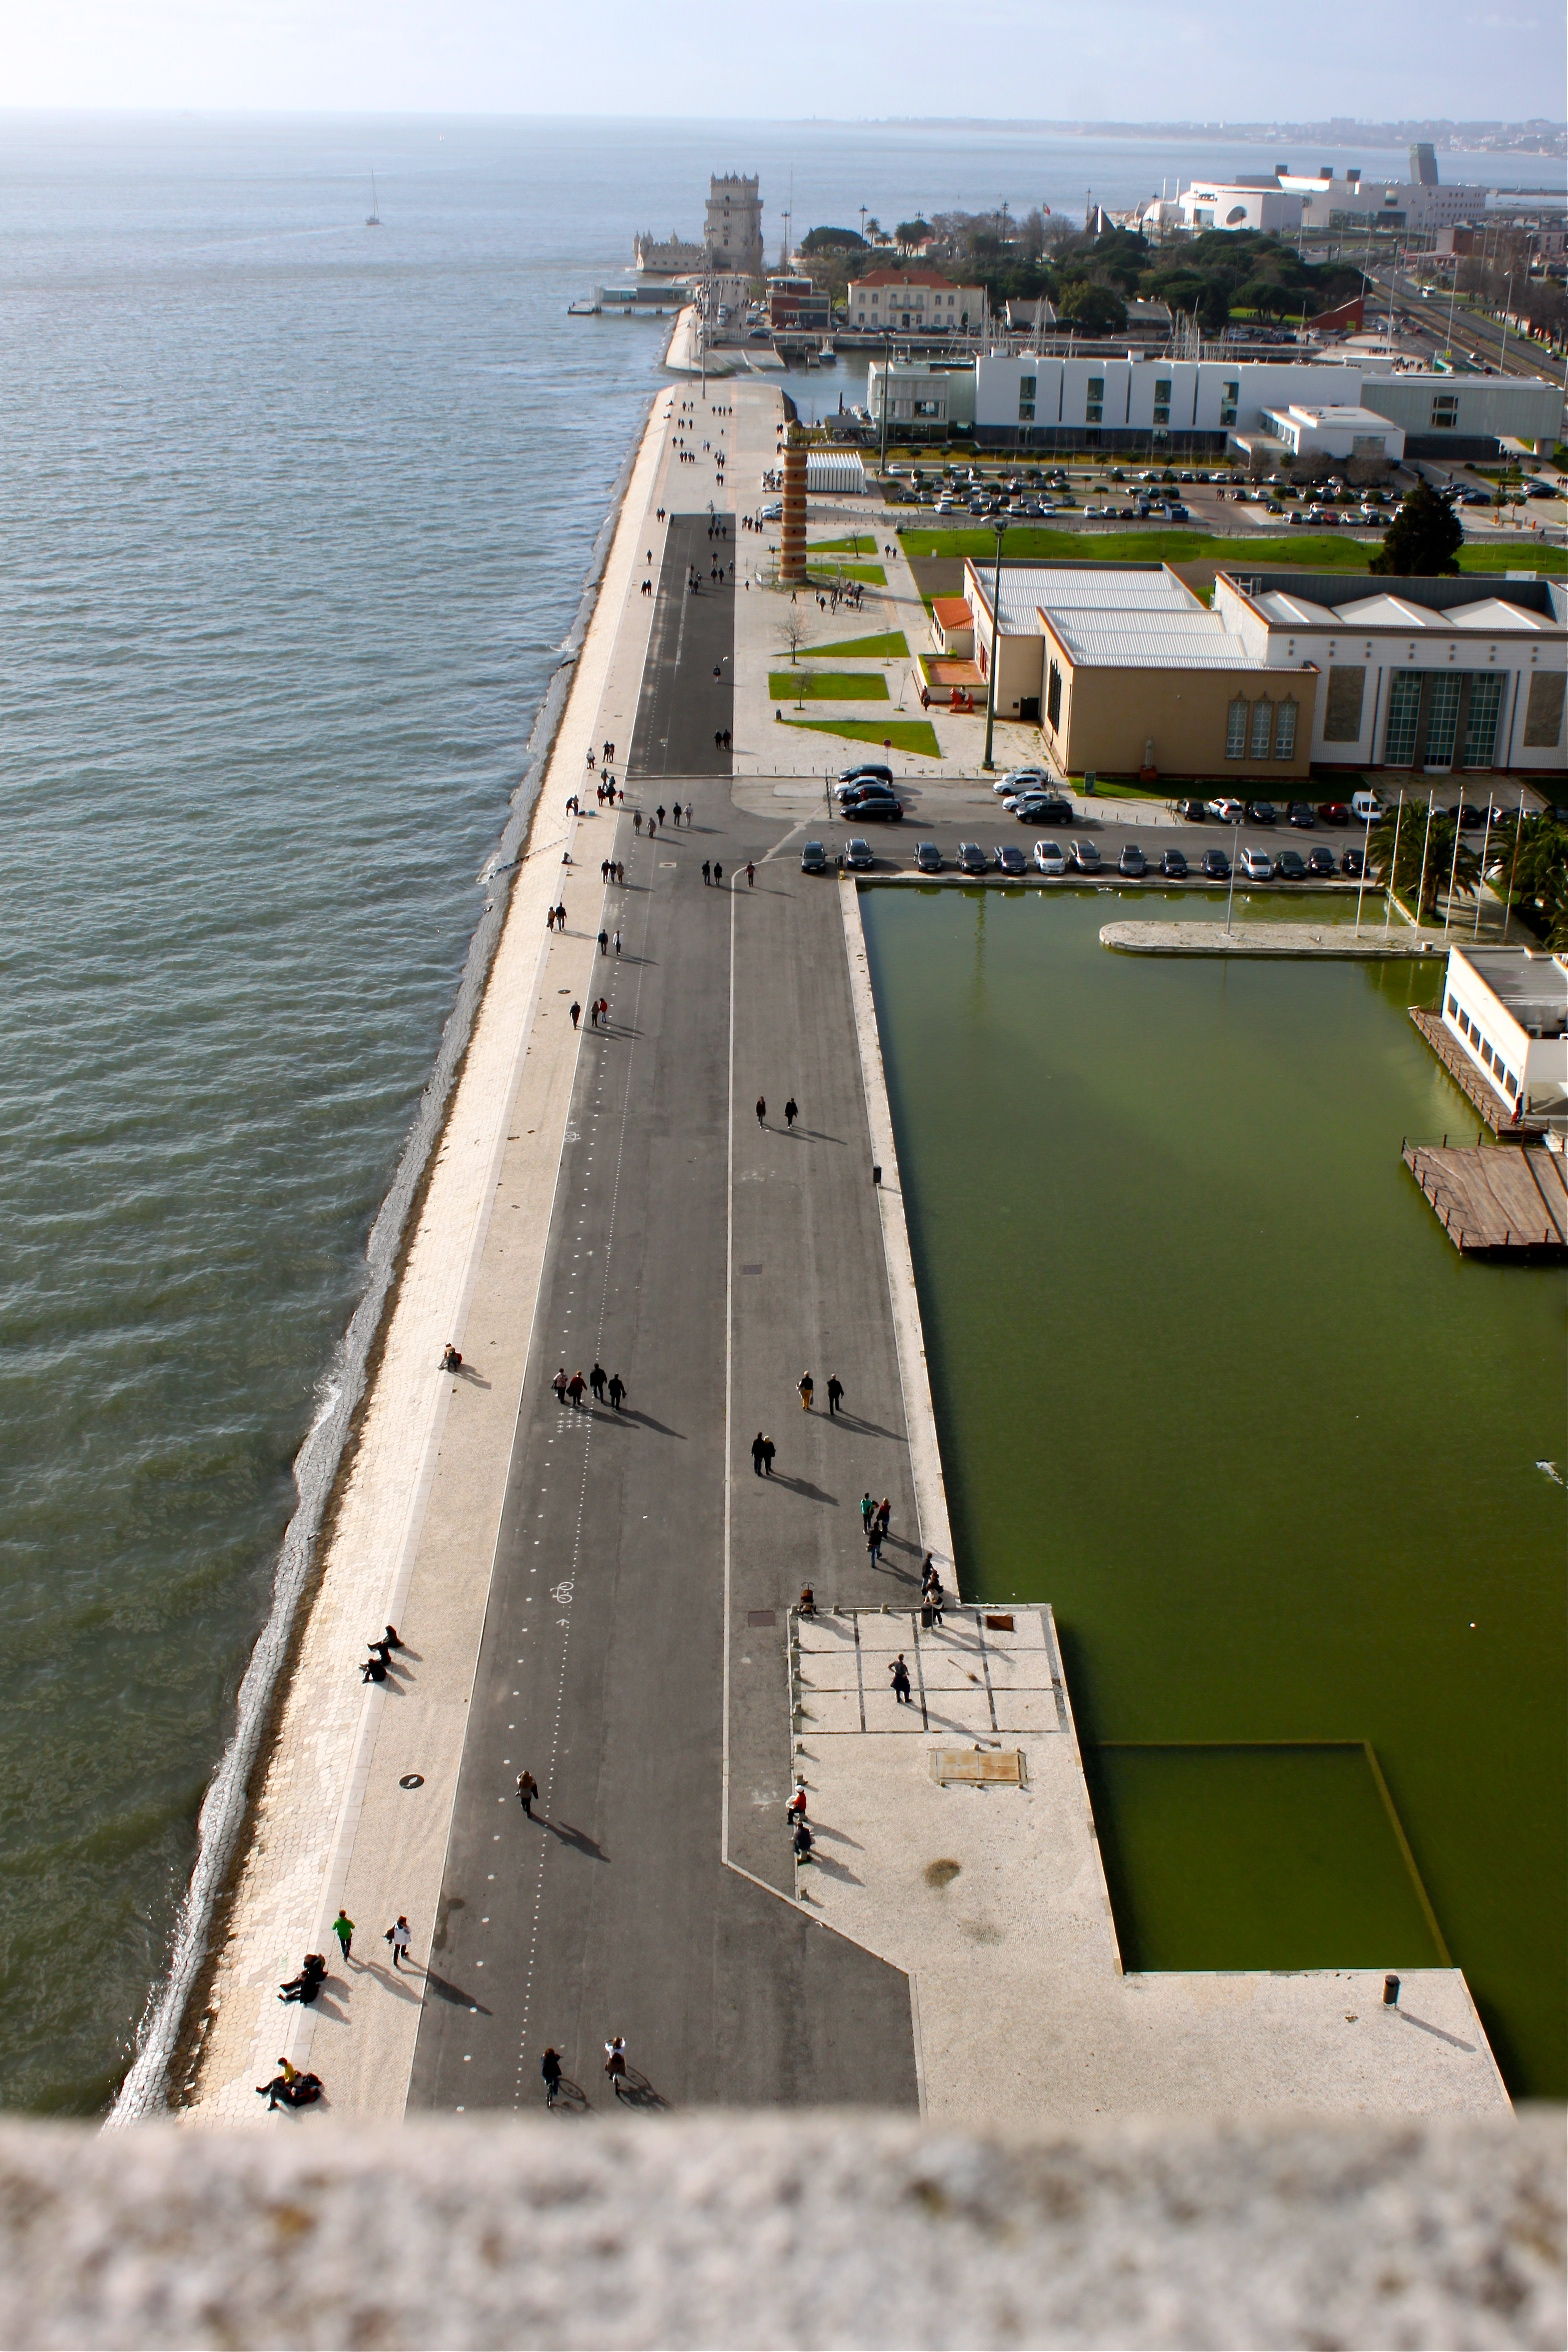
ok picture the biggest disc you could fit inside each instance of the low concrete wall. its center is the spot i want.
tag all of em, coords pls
(784, 2230)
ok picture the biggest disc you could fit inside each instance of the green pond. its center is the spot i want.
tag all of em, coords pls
(1210, 1379)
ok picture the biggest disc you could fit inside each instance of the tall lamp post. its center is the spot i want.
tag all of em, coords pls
(1000, 528)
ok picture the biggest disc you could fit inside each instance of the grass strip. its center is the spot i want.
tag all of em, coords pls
(801, 685)
(890, 646)
(916, 735)
(1297, 551)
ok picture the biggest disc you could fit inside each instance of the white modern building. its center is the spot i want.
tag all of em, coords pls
(1340, 431)
(921, 396)
(1420, 677)
(1195, 405)
(1253, 200)
(1508, 1008)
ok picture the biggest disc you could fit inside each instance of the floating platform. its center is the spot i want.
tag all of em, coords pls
(1494, 1203)
(1370, 944)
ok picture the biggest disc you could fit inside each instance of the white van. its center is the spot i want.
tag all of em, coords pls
(1365, 808)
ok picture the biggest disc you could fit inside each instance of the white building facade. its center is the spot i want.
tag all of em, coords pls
(1508, 1009)
(913, 302)
(1417, 677)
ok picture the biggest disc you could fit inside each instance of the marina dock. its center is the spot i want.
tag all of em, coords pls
(1493, 1203)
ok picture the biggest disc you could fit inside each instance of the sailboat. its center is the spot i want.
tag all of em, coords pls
(373, 216)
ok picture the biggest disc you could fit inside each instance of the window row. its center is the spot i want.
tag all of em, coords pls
(1471, 1032)
(1261, 730)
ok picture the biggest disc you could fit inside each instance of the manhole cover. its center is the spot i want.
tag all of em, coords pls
(412, 1780)
(978, 1765)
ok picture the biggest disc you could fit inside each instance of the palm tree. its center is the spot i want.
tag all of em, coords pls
(1419, 849)
(1540, 879)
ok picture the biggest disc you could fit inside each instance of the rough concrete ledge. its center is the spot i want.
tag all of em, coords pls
(1370, 945)
(778, 2230)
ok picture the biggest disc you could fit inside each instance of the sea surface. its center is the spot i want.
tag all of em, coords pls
(294, 515)
(1211, 1379)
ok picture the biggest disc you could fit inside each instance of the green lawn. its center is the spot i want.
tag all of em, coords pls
(917, 735)
(827, 685)
(890, 646)
(1300, 551)
(874, 575)
(858, 543)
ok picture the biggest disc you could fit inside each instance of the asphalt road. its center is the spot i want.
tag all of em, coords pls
(603, 1662)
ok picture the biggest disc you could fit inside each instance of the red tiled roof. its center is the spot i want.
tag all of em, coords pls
(952, 611)
(888, 277)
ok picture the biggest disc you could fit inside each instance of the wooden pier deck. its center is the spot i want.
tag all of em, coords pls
(1492, 1203)
(1493, 1105)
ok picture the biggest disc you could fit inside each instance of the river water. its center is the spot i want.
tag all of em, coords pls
(296, 514)
(1210, 1378)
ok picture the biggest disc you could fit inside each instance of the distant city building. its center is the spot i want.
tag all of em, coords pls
(798, 306)
(1252, 201)
(921, 397)
(1280, 202)
(913, 302)
(1335, 430)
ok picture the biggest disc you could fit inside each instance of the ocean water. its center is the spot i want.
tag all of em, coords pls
(294, 515)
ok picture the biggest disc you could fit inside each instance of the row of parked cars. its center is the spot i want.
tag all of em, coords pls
(1082, 857)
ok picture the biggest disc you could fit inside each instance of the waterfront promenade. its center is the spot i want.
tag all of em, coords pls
(603, 1597)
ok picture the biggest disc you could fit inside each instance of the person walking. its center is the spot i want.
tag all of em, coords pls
(884, 1514)
(575, 1387)
(935, 1598)
(596, 1380)
(808, 1388)
(762, 1110)
(615, 2062)
(527, 1790)
(659, 812)
(604, 942)
(617, 1390)
(560, 917)
(399, 1937)
(636, 820)
(797, 1803)
(751, 875)
(867, 1510)
(343, 1929)
(874, 1543)
(707, 874)
(550, 2068)
(769, 1449)
(835, 1393)
(718, 874)
(802, 1843)
(759, 1447)
(617, 943)
(900, 1675)
(577, 1012)
(791, 1112)
(559, 1386)
(688, 816)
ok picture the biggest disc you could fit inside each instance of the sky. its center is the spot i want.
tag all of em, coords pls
(1047, 60)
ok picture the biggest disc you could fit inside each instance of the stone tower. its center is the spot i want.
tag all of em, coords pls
(732, 232)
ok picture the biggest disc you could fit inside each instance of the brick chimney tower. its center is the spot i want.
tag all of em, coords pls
(792, 546)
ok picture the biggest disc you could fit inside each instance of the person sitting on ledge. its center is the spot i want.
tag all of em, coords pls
(373, 1670)
(451, 1361)
(307, 1985)
(808, 1601)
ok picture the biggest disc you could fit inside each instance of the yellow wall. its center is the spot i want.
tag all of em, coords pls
(1108, 716)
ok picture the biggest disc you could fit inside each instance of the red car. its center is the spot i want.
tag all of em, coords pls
(1334, 812)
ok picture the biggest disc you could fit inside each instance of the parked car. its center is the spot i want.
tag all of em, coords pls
(1041, 808)
(1303, 815)
(813, 858)
(885, 808)
(1216, 865)
(1333, 812)
(866, 771)
(1365, 808)
(928, 858)
(1291, 866)
(1021, 780)
(1471, 819)
(1262, 812)
(1351, 864)
(971, 858)
(1010, 858)
(1225, 811)
(1257, 865)
(1173, 865)
(851, 795)
(1320, 859)
(857, 854)
(1049, 857)
(773, 511)
(1086, 857)
(1194, 812)
(1132, 862)
(873, 796)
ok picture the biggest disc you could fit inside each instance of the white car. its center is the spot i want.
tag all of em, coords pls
(1019, 780)
(1049, 858)
(1257, 865)
(1227, 812)
(774, 510)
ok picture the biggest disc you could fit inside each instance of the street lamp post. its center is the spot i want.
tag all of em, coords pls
(1000, 529)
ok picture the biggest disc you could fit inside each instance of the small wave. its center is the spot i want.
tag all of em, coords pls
(143, 2093)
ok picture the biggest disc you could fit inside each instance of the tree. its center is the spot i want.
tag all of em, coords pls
(833, 241)
(1425, 860)
(1539, 886)
(1097, 309)
(792, 634)
(1422, 540)
(913, 234)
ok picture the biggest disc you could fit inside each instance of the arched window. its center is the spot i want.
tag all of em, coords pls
(1236, 729)
(1262, 729)
(1285, 730)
